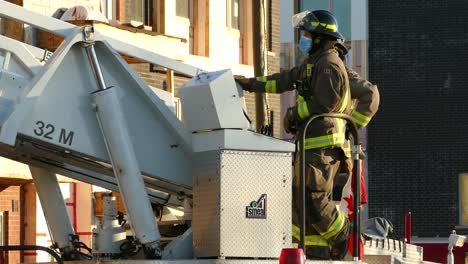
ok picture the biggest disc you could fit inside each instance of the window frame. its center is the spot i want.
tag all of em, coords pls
(147, 15)
(229, 16)
(109, 8)
(190, 12)
(150, 15)
(142, 10)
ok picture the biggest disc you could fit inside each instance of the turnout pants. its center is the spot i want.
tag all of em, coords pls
(325, 225)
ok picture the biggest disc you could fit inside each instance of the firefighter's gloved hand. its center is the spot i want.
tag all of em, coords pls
(290, 121)
(244, 82)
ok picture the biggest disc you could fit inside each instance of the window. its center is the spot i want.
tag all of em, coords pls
(235, 14)
(232, 14)
(341, 9)
(148, 12)
(135, 10)
(3, 228)
(4, 231)
(183, 8)
(108, 8)
(269, 22)
(141, 11)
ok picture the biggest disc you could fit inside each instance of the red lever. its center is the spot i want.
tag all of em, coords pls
(291, 256)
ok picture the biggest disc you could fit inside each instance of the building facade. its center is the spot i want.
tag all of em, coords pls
(209, 34)
(418, 145)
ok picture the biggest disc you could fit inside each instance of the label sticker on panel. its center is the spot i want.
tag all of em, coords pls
(257, 209)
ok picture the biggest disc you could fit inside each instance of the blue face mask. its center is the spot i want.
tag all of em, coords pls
(305, 44)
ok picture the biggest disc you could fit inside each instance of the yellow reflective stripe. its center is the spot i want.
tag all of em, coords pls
(316, 240)
(270, 86)
(324, 141)
(333, 28)
(303, 110)
(296, 236)
(296, 228)
(335, 227)
(328, 140)
(300, 99)
(296, 232)
(344, 104)
(262, 79)
(359, 122)
(313, 240)
(360, 119)
(310, 67)
(361, 116)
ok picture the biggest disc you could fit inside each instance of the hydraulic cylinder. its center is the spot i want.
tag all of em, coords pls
(124, 163)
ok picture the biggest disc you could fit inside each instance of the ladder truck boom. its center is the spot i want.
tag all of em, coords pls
(86, 114)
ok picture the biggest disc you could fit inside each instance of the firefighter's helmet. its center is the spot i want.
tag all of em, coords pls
(317, 22)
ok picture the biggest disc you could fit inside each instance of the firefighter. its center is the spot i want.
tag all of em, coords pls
(323, 87)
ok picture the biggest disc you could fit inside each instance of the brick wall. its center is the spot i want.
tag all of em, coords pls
(151, 78)
(417, 141)
(10, 201)
(156, 79)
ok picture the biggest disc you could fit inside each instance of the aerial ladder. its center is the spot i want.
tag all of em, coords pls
(86, 114)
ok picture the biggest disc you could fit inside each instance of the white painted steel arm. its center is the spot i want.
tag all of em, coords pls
(55, 210)
(50, 105)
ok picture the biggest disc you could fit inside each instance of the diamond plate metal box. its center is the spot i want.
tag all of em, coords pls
(231, 188)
